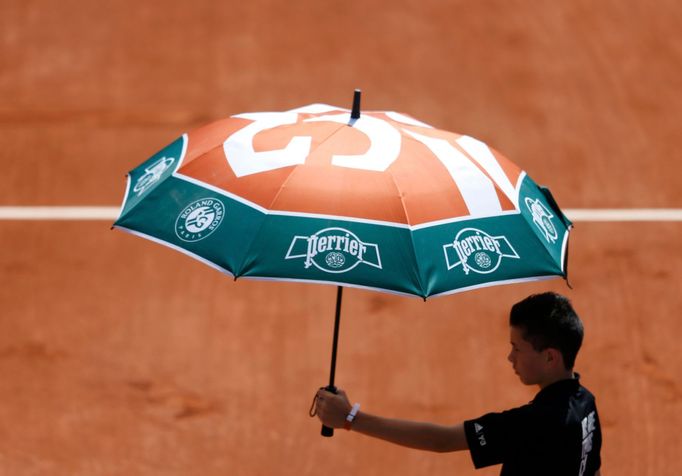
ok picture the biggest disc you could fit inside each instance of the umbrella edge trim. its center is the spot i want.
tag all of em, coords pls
(498, 283)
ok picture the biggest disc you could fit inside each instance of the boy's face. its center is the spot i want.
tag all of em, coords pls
(529, 364)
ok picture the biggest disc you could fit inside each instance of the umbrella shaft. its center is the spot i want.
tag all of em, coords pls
(337, 321)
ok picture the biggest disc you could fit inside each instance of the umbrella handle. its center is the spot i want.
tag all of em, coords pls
(327, 431)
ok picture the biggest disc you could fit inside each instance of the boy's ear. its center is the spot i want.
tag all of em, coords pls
(554, 356)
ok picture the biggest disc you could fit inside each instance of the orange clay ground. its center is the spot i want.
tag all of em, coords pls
(120, 357)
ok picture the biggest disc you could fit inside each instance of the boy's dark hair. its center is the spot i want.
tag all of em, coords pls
(548, 320)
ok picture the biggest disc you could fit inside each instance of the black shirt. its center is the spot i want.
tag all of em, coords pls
(556, 434)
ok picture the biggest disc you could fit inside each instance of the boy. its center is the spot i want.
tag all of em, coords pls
(556, 434)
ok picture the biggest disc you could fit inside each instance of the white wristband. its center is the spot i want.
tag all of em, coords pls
(351, 415)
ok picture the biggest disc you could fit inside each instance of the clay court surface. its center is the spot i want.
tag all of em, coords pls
(121, 357)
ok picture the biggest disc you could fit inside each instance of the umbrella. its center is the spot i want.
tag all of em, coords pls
(322, 194)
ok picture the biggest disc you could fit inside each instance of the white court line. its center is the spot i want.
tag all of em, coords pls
(59, 213)
(624, 214)
(111, 213)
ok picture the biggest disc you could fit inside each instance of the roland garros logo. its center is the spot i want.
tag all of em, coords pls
(477, 251)
(542, 218)
(152, 174)
(199, 219)
(334, 250)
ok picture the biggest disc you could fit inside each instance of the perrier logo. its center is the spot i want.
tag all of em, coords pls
(334, 250)
(477, 251)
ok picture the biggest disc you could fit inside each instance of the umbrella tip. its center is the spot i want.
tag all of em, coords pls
(355, 114)
(568, 283)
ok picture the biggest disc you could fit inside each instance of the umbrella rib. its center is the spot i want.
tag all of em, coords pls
(411, 232)
(286, 180)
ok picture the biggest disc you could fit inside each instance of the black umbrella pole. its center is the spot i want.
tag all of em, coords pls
(326, 431)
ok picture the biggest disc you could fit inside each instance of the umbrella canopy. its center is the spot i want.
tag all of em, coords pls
(320, 194)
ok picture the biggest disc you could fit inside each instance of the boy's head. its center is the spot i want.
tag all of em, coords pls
(548, 321)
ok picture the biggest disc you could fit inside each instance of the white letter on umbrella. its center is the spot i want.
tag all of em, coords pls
(244, 160)
(476, 188)
(384, 142)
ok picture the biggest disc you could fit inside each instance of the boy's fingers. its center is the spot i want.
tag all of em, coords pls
(322, 394)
